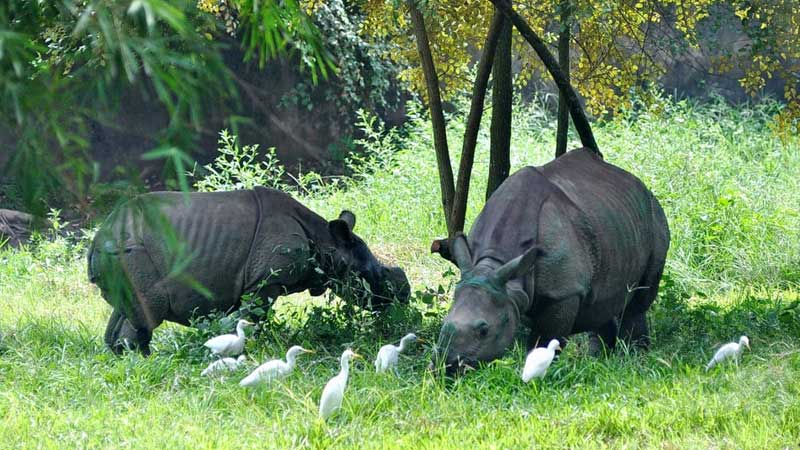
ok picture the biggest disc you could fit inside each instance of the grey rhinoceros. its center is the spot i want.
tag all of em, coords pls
(559, 248)
(174, 256)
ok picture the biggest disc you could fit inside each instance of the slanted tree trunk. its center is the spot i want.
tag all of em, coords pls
(579, 119)
(437, 115)
(563, 62)
(502, 96)
(474, 122)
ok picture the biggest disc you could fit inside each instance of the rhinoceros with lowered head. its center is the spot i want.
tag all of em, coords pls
(576, 245)
(175, 256)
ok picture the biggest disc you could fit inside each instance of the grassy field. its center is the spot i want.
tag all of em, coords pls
(730, 190)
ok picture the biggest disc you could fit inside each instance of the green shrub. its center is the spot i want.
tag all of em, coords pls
(239, 167)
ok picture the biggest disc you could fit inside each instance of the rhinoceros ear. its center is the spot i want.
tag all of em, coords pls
(460, 252)
(349, 218)
(340, 230)
(518, 266)
(442, 247)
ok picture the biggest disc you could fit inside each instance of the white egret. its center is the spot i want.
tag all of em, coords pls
(229, 344)
(223, 365)
(332, 395)
(539, 360)
(728, 351)
(274, 369)
(388, 354)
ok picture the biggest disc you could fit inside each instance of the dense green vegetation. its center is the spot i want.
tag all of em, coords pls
(729, 188)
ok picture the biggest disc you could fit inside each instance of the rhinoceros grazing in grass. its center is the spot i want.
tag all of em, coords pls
(560, 248)
(173, 256)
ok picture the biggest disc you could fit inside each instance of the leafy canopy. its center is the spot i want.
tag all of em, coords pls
(618, 47)
(66, 64)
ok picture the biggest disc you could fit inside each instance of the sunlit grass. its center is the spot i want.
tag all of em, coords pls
(730, 191)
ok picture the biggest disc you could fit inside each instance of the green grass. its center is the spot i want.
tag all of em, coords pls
(730, 191)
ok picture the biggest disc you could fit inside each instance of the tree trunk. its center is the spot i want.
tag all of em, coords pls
(437, 115)
(563, 61)
(576, 111)
(502, 96)
(474, 123)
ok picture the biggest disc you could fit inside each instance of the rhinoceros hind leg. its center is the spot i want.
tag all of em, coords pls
(112, 335)
(139, 303)
(634, 330)
(120, 335)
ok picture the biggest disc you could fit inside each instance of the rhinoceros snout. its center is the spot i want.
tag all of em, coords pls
(398, 283)
(444, 355)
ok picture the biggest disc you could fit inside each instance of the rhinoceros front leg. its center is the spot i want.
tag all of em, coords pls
(554, 321)
(120, 335)
(604, 339)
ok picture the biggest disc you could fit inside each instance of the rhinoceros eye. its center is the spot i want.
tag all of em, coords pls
(482, 328)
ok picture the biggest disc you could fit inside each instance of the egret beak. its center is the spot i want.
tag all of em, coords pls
(357, 356)
(558, 347)
(747, 344)
(247, 322)
(308, 351)
(421, 340)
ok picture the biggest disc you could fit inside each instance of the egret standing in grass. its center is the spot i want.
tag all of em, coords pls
(274, 369)
(730, 350)
(229, 344)
(332, 395)
(222, 365)
(388, 354)
(539, 360)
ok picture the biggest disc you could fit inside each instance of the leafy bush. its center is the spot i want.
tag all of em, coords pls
(238, 167)
(364, 77)
(378, 143)
(67, 65)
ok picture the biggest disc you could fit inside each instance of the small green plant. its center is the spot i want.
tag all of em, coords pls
(379, 144)
(239, 167)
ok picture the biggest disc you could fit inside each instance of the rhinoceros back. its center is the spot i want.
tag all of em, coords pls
(191, 239)
(600, 227)
(626, 221)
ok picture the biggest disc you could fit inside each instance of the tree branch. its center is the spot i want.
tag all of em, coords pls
(502, 97)
(474, 122)
(578, 115)
(437, 115)
(563, 62)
